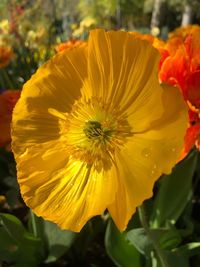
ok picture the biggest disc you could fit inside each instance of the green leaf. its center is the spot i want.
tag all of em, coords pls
(175, 190)
(55, 241)
(17, 245)
(167, 239)
(59, 241)
(13, 226)
(120, 250)
(173, 259)
(139, 239)
(179, 257)
(189, 249)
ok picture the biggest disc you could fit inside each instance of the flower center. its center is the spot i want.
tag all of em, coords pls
(93, 131)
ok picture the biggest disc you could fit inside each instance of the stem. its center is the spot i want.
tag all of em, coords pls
(145, 225)
(8, 80)
(33, 223)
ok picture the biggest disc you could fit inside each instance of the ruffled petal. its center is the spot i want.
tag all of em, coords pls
(148, 155)
(55, 85)
(120, 65)
(125, 69)
(65, 191)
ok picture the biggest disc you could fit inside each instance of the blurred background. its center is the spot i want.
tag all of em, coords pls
(33, 28)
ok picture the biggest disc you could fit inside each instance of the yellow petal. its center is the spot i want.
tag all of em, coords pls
(120, 65)
(148, 155)
(56, 85)
(68, 193)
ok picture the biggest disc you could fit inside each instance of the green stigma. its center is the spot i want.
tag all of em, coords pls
(94, 130)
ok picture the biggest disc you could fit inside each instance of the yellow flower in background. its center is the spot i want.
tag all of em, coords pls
(36, 38)
(86, 24)
(4, 26)
(93, 130)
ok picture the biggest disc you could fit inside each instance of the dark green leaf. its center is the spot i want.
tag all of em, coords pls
(167, 239)
(175, 190)
(140, 240)
(189, 249)
(59, 241)
(179, 257)
(120, 249)
(172, 259)
(13, 226)
(18, 246)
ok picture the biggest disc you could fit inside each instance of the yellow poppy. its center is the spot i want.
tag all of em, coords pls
(93, 130)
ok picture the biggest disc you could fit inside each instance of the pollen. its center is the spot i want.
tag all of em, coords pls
(94, 132)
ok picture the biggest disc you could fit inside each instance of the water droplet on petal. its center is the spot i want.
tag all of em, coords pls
(152, 172)
(154, 166)
(71, 184)
(146, 152)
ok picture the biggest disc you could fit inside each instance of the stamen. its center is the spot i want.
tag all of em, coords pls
(93, 129)
(94, 132)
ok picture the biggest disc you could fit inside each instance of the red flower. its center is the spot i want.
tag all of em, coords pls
(8, 99)
(182, 69)
(6, 54)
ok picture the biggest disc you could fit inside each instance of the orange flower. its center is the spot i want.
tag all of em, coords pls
(6, 54)
(182, 69)
(8, 99)
(183, 32)
(69, 44)
(182, 66)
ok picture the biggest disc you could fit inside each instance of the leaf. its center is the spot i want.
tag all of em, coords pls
(179, 257)
(59, 241)
(167, 239)
(55, 241)
(175, 190)
(139, 239)
(17, 245)
(120, 249)
(13, 226)
(189, 249)
(172, 259)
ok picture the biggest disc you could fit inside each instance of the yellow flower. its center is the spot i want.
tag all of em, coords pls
(88, 22)
(4, 26)
(93, 130)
